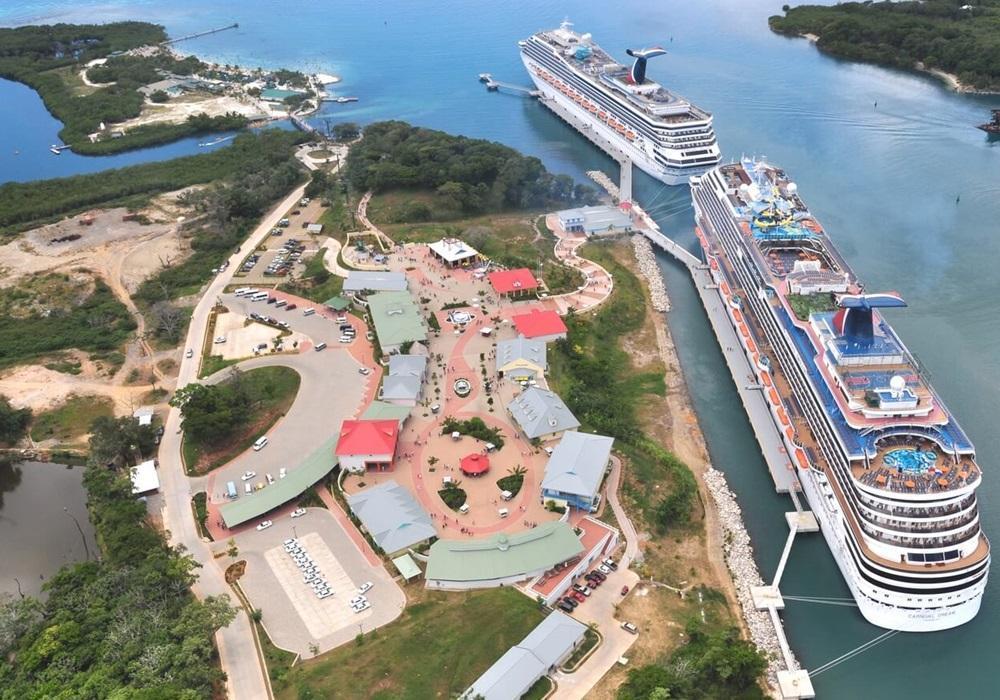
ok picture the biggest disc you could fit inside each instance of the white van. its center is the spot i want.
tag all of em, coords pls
(260, 444)
(248, 487)
(259, 296)
(321, 346)
(243, 291)
(464, 508)
(506, 495)
(503, 512)
(309, 312)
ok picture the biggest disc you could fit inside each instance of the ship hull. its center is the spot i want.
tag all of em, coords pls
(606, 138)
(890, 617)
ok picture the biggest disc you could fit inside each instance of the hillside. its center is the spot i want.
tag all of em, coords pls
(939, 35)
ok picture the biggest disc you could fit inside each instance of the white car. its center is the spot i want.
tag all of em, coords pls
(282, 473)
(365, 587)
(298, 512)
(358, 600)
(345, 339)
(365, 371)
(189, 353)
(220, 340)
(264, 524)
(291, 541)
(270, 479)
(248, 475)
(361, 608)
(327, 594)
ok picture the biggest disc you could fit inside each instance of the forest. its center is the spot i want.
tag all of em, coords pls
(122, 626)
(47, 59)
(953, 36)
(25, 204)
(479, 175)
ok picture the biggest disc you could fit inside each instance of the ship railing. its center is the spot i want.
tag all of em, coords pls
(921, 542)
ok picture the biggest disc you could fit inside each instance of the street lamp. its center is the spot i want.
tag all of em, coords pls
(79, 529)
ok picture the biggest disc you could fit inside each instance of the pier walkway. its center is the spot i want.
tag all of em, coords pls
(168, 42)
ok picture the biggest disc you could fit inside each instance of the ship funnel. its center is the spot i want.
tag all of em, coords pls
(854, 319)
(638, 72)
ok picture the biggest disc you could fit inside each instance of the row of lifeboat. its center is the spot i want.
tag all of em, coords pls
(586, 104)
(746, 338)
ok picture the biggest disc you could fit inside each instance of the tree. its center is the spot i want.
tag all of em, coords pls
(345, 131)
(14, 422)
(159, 97)
(120, 440)
(231, 549)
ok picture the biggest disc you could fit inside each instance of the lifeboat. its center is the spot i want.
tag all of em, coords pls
(725, 285)
(783, 417)
(737, 315)
(800, 455)
(766, 378)
(751, 346)
(630, 135)
(602, 115)
(790, 434)
(773, 395)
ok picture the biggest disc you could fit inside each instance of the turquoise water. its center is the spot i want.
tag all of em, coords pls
(910, 460)
(883, 181)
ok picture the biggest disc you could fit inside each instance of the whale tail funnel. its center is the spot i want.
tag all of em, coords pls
(637, 74)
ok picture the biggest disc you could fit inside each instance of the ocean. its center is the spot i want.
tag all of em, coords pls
(884, 181)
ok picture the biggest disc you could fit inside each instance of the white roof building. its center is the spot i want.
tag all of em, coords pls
(576, 468)
(541, 413)
(453, 251)
(545, 647)
(144, 477)
(392, 516)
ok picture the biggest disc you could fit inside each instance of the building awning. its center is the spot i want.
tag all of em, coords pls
(474, 464)
(337, 303)
(144, 478)
(407, 567)
(315, 467)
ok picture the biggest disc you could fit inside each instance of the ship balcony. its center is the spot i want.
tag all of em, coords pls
(942, 528)
(917, 511)
(918, 469)
(935, 542)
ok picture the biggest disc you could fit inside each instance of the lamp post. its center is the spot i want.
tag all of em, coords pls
(79, 529)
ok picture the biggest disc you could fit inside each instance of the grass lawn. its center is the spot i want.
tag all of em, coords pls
(273, 390)
(434, 650)
(590, 640)
(278, 660)
(71, 420)
(539, 690)
(199, 503)
(316, 282)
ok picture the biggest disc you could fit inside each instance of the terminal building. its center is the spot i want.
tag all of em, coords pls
(595, 221)
(576, 469)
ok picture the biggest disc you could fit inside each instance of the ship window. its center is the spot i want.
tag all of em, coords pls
(917, 556)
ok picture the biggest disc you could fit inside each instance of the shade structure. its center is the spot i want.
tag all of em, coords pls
(474, 464)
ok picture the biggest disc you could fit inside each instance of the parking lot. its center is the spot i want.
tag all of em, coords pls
(293, 615)
(280, 259)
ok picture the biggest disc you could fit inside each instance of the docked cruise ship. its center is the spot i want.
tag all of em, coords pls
(662, 133)
(887, 470)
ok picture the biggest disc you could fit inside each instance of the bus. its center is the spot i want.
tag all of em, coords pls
(231, 491)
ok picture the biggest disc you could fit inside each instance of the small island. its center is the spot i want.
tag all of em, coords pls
(950, 39)
(121, 86)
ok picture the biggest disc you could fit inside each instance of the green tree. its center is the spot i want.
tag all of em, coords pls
(14, 422)
(120, 440)
(345, 131)
(159, 97)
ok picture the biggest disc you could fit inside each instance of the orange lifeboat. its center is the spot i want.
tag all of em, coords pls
(766, 378)
(803, 460)
(737, 315)
(783, 417)
(773, 395)
(751, 346)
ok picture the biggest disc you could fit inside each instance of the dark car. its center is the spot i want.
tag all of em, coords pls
(570, 601)
(563, 605)
(599, 576)
(291, 306)
(271, 300)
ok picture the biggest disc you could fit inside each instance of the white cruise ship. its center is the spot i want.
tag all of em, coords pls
(662, 133)
(887, 470)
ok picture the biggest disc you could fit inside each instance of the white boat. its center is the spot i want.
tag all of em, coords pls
(661, 132)
(889, 474)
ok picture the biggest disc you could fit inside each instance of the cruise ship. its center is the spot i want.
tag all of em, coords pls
(887, 470)
(662, 133)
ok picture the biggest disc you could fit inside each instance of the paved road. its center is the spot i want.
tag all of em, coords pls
(237, 651)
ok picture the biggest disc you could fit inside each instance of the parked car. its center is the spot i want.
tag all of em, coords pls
(270, 479)
(219, 340)
(323, 596)
(361, 608)
(604, 569)
(365, 371)
(571, 601)
(264, 524)
(248, 475)
(365, 587)
(624, 590)
(298, 512)
(358, 600)
(581, 589)
(629, 627)
(291, 541)
(578, 597)
(563, 605)
(291, 307)
(610, 563)
(189, 353)
(282, 473)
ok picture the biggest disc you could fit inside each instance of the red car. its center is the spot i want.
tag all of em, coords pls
(591, 584)
(580, 597)
(624, 590)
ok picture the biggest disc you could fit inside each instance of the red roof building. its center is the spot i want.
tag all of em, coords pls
(540, 325)
(513, 282)
(367, 443)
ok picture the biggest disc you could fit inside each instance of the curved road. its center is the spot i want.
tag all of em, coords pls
(237, 651)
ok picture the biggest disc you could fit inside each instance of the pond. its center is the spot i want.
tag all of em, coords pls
(43, 523)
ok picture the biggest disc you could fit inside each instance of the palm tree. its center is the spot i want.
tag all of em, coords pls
(517, 471)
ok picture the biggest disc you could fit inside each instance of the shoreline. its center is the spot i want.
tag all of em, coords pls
(951, 81)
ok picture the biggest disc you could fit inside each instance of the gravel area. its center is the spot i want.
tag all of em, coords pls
(646, 259)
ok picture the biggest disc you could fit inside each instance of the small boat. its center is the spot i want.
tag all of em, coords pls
(992, 126)
(55, 150)
(214, 142)
(344, 100)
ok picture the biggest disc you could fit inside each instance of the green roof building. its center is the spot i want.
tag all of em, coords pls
(315, 467)
(397, 320)
(337, 303)
(501, 559)
(380, 410)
